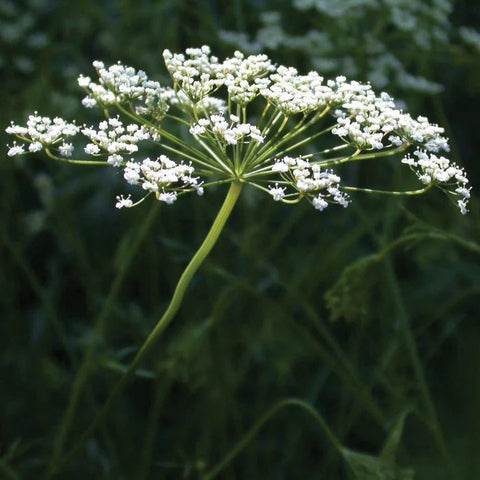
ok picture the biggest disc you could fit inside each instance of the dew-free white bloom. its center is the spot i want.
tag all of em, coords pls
(15, 150)
(277, 192)
(220, 138)
(41, 132)
(114, 138)
(65, 149)
(377, 49)
(123, 202)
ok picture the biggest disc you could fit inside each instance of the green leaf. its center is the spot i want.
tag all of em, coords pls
(370, 467)
(383, 467)
(349, 296)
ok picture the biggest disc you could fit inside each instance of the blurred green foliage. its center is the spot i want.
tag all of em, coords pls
(255, 327)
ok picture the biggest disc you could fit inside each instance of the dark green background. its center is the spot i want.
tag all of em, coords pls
(255, 327)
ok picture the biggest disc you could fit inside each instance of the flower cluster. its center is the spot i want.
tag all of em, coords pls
(225, 133)
(119, 84)
(376, 50)
(431, 169)
(308, 178)
(157, 175)
(366, 119)
(204, 121)
(195, 74)
(245, 77)
(114, 139)
(41, 132)
(292, 93)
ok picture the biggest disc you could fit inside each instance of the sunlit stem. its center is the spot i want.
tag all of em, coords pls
(214, 155)
(305, 140)
(172, 309)
(328, 150)
(208, 165)
(389, 192)
(72, 161)
(264, 155)
(251, 158)
(178, 119)
(293, 200)
(174, 139)
(366, 156)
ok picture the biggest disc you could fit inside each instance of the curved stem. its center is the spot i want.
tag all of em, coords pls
(365, 156)
(75, 162)
(243, 442)
(100, 323)
(172, 309)
(389, 192)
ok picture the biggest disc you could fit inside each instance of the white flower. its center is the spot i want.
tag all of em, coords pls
(91, 149)
(89, 102)
(462, 205)
(66, 149)
(197, 129)
(83, 81)
(464, 192)
(115, 160)
(131, 172)
(277, 192)
(35, 147)
(319, 203)
(44, 130)
(167, 197)
(15, 150)
(114, 137)
(123, 202)
(212, 99)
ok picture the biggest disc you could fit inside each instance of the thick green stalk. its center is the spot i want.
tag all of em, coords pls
(175, 303)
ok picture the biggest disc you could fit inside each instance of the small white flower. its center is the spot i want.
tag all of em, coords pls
(462, 204)
(83, 81)
(91, 149)
(123, 202)
(277, 192)
(15, 150)
(89, 102)
(35, 147)
(464, 192)
(131, 172)
(320, 203)
(279, 166)
(197, 129)
(66, 149)
(115, 160)
(167, 197)
(16, 129)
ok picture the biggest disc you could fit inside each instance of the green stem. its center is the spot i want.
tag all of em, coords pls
(411, 345)
(161, 391)
(100, 323)
(245, 440)
(172, 309)
(389, 192)
(75, 162)
(366, 156)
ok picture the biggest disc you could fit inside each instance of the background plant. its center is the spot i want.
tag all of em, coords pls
(224, 368)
